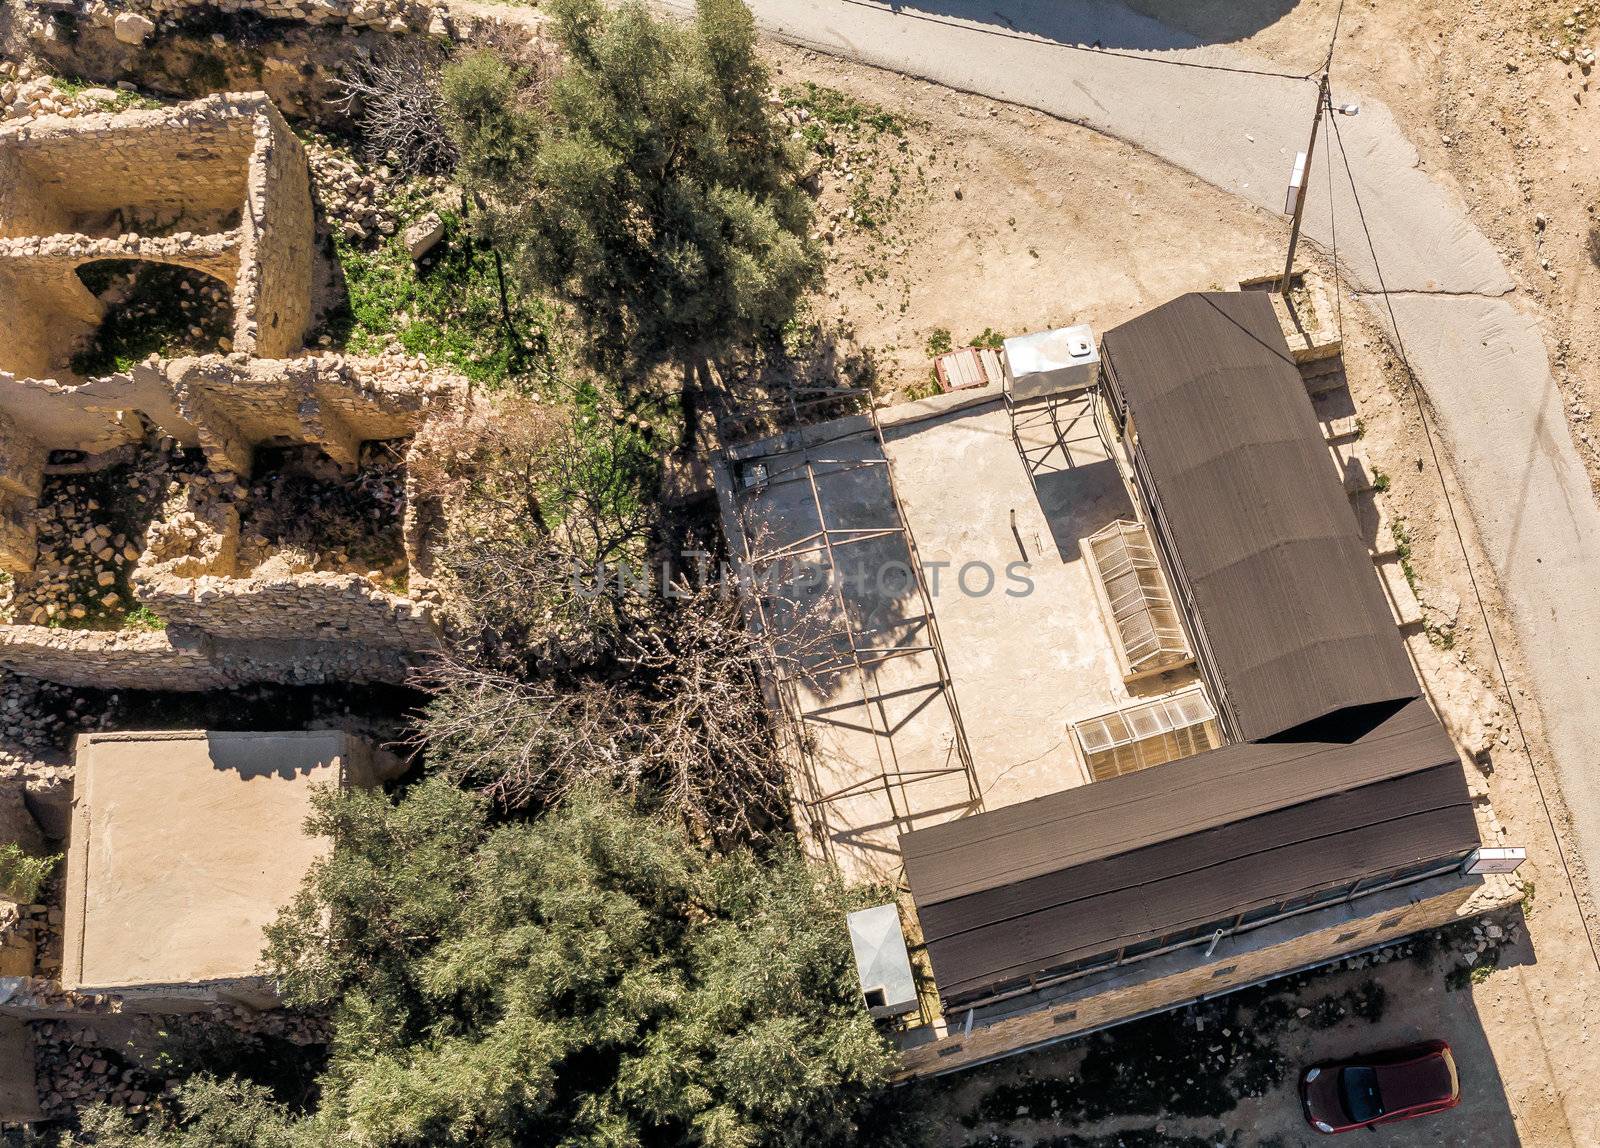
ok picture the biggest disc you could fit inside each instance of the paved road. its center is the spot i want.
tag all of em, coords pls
(1481, 358)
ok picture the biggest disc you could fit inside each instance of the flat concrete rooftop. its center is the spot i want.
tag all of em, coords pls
(184, 845)
(978, 489)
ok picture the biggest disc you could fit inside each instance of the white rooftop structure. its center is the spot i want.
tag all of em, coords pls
(882, 962)
(1051, 362)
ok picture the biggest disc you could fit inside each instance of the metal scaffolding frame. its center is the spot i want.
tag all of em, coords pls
(864, 651)
(1046, 412)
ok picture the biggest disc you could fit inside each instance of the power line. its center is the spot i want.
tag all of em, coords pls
(1010, 34)
(1455, 523)
(1333, 227)
(1333, 40)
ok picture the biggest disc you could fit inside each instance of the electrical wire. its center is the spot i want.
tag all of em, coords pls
(1333, 40)
(1455, 523)
(1333, 222)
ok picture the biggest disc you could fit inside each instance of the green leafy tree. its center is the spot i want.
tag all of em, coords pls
(209, 1114)
(646, 183)
(587, 979)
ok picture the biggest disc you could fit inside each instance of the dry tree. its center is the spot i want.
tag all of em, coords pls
(394, 99)
(680, 720)
(534, 500)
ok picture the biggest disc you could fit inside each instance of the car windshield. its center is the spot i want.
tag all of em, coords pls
(1358, 1089)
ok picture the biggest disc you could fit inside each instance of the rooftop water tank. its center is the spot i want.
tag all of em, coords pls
(1051, 363)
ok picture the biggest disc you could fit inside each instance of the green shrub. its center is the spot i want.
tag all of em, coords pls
(21, 875)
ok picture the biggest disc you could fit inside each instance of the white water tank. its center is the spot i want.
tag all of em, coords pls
(1051, 362)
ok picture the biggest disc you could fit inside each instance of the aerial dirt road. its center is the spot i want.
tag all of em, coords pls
(1479, 354)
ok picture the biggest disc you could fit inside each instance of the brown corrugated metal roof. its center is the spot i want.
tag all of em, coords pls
(1294, 622)
(1040, 884)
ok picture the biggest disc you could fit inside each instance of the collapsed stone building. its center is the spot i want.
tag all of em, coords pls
(217, 186)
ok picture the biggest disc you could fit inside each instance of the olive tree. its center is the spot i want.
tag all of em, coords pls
(646, 183)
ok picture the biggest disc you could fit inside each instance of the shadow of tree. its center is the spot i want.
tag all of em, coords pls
(1138, 25)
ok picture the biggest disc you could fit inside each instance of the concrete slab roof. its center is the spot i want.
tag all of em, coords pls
(184, 845)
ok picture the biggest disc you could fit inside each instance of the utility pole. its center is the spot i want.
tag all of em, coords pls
(1305, 182)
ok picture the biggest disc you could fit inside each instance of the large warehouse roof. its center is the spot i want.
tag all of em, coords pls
(1294, 624)
(1088, 870)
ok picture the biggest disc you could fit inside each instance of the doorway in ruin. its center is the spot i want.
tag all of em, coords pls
(151, 308)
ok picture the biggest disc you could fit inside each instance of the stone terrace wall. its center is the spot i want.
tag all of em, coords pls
(185, 661)
(390, 15)
(315, 606)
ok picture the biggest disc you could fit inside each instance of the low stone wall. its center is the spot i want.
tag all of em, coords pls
(186, 661)
(318, 607)
(117, 659)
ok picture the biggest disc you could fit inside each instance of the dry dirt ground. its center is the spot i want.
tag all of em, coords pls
(982, 217)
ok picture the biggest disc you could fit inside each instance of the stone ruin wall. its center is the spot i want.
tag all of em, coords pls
(227, 625)
(235, 160)
(315, 607)
(276, 256)
(185, 660)
(226, 168)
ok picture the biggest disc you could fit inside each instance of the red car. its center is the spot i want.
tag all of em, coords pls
(1380, 1089)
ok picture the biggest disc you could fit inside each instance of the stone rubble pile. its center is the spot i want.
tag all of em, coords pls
(90, 537)
(75, 1068)
(1568, 47)
(352, 199)
(24, 95)
(37, 721)
(71, 1077)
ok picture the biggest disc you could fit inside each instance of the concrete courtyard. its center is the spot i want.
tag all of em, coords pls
(968, 684)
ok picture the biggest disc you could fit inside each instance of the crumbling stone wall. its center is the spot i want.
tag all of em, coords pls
(275, 262)
(187, 660)
(314, 606)
(230, 404)
(218, 184)
(115, 659)
(189, 575)
(21, 475)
